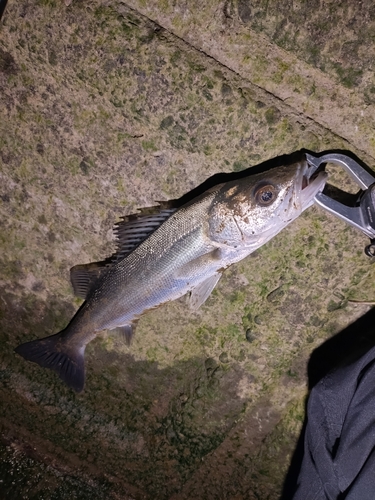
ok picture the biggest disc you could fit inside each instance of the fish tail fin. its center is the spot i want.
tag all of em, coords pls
(66, 359)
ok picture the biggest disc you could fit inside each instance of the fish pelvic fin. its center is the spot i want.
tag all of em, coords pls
(200, 293)
(53, 353)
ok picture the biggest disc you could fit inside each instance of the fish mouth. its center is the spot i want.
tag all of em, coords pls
(311, 181)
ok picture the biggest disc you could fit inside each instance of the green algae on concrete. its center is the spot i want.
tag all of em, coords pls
(318, 60)
(104, 111)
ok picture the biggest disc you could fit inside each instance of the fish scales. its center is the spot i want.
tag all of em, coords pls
(164, 256)
(155, 266)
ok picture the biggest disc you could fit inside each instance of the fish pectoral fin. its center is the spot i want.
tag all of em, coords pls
(206, 262)
(126, 332)
(200, 293)
(84, 276)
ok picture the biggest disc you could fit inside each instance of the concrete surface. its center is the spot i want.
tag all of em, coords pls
(109, 106)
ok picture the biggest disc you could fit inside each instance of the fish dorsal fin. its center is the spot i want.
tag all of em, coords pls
(200, 293)
(135, 228)
(84, 276)
(130, 232)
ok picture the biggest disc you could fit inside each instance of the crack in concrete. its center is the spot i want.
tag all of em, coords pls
(292, 109)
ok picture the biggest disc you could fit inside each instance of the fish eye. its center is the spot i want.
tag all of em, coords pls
(265, 195)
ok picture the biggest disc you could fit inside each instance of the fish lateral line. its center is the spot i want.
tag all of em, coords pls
(173, 252)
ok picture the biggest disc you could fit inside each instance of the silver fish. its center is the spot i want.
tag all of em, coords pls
(174, 252)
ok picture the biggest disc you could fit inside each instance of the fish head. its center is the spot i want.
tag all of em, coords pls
(250, 211)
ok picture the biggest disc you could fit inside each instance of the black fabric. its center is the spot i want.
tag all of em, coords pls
(3, 4)
(339, 441)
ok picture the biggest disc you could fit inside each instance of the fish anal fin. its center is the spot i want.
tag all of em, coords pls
(200, 293)
(84, 276)
(66, 361)
(126, 332)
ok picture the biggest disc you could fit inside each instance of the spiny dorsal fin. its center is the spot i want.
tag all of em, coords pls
(130, 232)
(135, 228)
